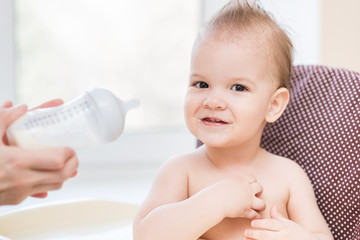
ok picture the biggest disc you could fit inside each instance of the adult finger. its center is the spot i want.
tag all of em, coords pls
(51, 103)
(52, 177)
(8, 116)
(7, 104)
(70, 169)
(40, 195)
(40, 189)
(12, 198)
(74, 174)
(53, 159)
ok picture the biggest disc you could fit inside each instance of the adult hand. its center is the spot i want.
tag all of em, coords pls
(24, 172)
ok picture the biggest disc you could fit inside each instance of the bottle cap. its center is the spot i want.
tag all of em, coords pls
(113, 111)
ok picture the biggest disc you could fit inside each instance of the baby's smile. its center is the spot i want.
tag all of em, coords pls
(211, 121)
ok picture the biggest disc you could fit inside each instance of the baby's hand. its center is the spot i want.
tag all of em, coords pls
(277, 227)
(240, 197)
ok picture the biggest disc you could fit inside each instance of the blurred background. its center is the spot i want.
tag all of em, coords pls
(140, 49)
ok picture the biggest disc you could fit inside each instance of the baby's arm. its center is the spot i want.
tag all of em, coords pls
(306, 220)
(168, 212)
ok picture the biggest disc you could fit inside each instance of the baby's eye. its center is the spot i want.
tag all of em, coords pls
(201, 85)
(238, 88)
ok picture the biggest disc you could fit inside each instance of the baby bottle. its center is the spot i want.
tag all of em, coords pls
(97, 116)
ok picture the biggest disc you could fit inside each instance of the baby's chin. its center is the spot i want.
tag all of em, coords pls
(215, 142)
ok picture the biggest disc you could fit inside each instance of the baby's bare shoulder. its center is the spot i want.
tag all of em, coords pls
(287, 167)
(185, 161)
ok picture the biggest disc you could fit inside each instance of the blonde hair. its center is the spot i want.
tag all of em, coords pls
(241, 16)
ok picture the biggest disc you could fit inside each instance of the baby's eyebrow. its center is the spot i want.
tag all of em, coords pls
(243, 80)
(196, 75)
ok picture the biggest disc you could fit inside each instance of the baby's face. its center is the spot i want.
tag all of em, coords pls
(229, 91)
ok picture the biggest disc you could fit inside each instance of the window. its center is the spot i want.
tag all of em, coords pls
(136, 49)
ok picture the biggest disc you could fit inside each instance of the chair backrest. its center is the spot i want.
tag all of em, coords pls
(320, 131)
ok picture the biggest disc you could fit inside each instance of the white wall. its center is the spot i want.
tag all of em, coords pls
(141, 147)
(340, 28)
(6, 51)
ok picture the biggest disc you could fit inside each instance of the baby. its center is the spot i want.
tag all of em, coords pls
(231, 188)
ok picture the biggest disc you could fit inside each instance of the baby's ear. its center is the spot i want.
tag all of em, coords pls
(277, 105)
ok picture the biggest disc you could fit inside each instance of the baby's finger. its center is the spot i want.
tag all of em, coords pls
(252, 214)
(256, 188)
(258, 204)
(250, 179)
(267, 224)
(259, 234)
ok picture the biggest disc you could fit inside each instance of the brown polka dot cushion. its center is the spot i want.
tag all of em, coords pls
(320, 131)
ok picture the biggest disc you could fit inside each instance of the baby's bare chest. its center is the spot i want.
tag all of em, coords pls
(275, 193)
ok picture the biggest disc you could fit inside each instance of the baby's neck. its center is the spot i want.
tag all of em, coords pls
(234, 157)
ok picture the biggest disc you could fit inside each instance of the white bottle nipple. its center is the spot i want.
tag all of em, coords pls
(113, 111)
(130, 104)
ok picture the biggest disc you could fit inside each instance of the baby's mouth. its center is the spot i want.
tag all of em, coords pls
(213, 121)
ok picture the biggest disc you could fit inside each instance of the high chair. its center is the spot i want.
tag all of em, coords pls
(320, 131)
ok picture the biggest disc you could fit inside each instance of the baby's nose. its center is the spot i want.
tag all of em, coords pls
(215, 102)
